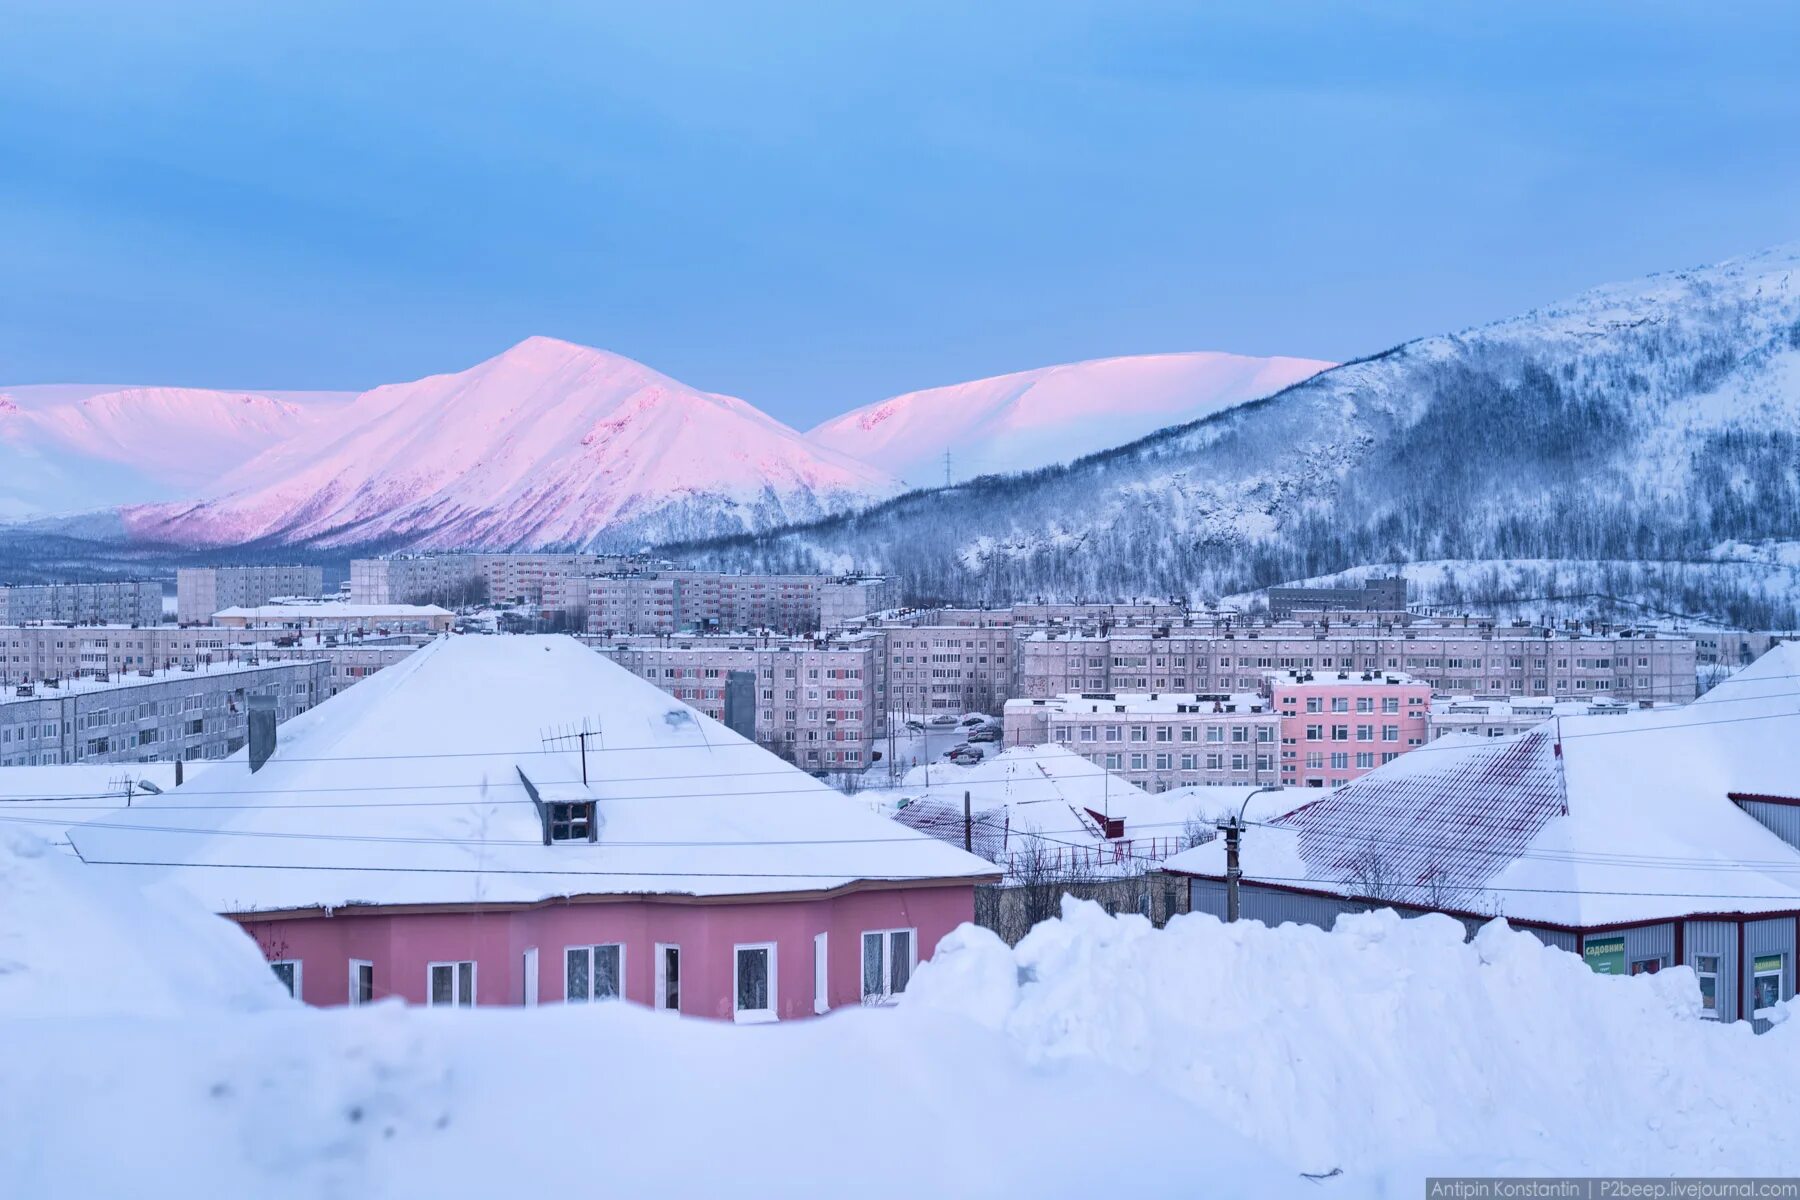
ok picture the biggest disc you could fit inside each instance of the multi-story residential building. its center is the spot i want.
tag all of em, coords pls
(819, 702)
(1375, 594)
(347, 662)
(36, 652)
(1340, 725)
(948, 668)
(1478, 660)
(1157, 740)
(417, 579)
(552, 580)
(336, 616)
(149, 716)
(842, 601)
(125, 601)
(202, 591)
(1505, 717)
(1733, 648)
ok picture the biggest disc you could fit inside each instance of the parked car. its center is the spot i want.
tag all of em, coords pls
(966, 758)
(973, 720)
(985, 735)
(915, 725)
(943, 719)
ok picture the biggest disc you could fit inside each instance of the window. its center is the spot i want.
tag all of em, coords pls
(668, 978)
(1706, 966)
(887, 962)
(593, 973)
(450, 984)
(362, 981)
(821, 974)
(753, 982)
(288, 971)
(1646, 966)
(1766, 984)
(570, 822)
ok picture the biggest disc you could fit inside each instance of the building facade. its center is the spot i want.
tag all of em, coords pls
(819, 702)
(1157, 741)
(1474, 660)
(124, 602)
(149, 716)
(202, 591)
(1374, 594)
(1337, 726)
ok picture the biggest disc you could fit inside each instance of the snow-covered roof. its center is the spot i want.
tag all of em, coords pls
(1144, 703)
(84, 685)
(406, 789)
(1583, 821)
(333, 610)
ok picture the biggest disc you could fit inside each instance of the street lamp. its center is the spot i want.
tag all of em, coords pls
(1233, 829)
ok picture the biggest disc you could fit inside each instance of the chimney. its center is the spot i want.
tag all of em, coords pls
(262, 730)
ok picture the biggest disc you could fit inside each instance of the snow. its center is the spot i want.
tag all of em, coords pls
(548, 443)
(66, 448)
(406, 789)
(75, 942)
(332, 610)
(1389, 1048)
(1036, 418)
(1585, 821)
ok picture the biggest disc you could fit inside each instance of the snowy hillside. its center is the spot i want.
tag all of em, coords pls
(1037, 418)
(548, 443)
(1650, 420)
(65, 448)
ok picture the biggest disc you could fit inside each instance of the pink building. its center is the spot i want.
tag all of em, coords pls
(516, 820)
(1340, 725)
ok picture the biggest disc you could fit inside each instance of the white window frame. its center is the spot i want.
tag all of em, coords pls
(755, 1016)
(1702, 974)
(660, 966)
(530, 981)
(886, 995)
(1779, 974)
(590, 998)
(295, 963)
(821, 972)
(356, 999)
(455, 965)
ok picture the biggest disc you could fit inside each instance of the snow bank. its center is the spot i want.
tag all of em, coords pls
(1390, 1047)
(77, 942)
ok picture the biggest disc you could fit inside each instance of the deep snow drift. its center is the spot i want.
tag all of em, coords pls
(1390, 1047)
(1098, 1056)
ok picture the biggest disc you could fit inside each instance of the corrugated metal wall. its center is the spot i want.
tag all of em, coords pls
(1774, 936)
(1267, 905)
(1782, 820)
(1720, 938)
(1555, 939)
(1652, 941)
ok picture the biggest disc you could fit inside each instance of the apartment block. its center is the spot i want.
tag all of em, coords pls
(36, 652)
(1387, 594)
(149, 716)
(417, 579)
(127, 602)
(1340, 725)
(1155, 740)
(202, 591)
(842, 601)
(1505, 717)
(818, 701)
(675, 601)
(948, 668)
(347, 662)
(1630, 665)
(550, 580)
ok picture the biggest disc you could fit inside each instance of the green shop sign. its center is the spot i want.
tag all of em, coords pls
(1605, 955)
(1768, 964)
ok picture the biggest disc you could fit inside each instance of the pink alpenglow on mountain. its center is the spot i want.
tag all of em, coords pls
(67, 447)
(1051, 415)
(546, 444)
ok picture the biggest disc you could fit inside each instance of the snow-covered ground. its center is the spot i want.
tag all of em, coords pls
(149, 1053)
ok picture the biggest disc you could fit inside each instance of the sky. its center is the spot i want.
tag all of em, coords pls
(813, 206)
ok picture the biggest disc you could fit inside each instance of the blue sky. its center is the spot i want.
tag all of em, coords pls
(813, 206)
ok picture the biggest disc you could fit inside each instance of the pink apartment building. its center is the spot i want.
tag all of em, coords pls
(1340, 725)
(517, 820)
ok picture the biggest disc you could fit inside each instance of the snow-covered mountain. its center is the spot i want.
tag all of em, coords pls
(1037, 418)
(69, 447)
(546, 444)
(1642, 421)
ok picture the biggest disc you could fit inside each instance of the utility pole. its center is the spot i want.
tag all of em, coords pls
(946, 466)
(1233, 829)
(968, 825)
